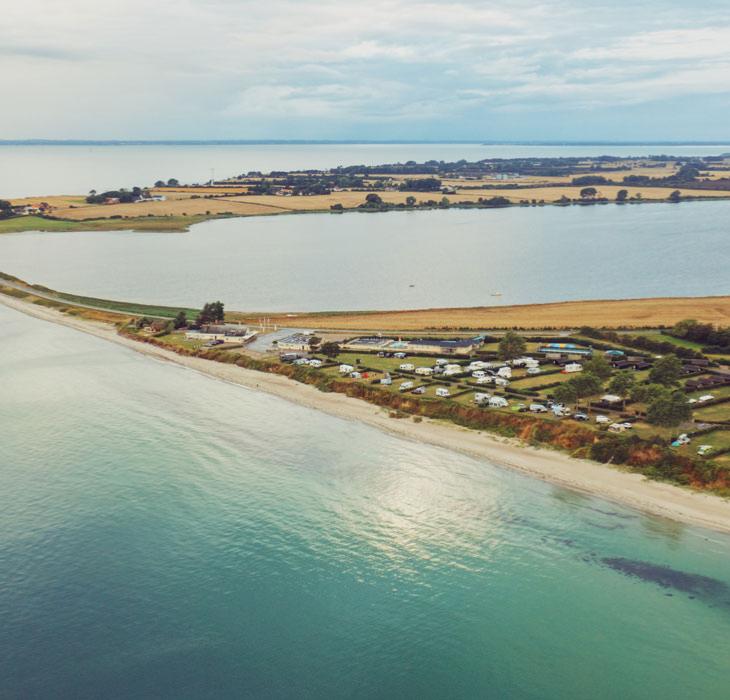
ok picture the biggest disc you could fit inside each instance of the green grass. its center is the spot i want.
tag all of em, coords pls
(680, 342)
(19, 224)
(719, 393)
(718, 412)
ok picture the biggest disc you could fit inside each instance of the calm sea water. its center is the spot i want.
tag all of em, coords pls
(370, 261)
(166, 535)
(72, 169)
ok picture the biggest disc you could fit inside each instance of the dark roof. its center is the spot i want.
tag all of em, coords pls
(457, 343)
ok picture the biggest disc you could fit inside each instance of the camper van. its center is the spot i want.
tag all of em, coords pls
(407, 367)
(480, 399)
(498, 402)
(443, 392)
(427, 371)
(504, 372)
(346, 369)
(572, 367)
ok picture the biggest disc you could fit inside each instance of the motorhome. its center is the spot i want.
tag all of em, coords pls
(501, 381)
(479, 374)
(572, 367)
(346, 369)
(537, 408)
(426, 371)
(485, 380)
(407, 367)
(480, 398)
(505, 372)
(443, 392)
(498, 402)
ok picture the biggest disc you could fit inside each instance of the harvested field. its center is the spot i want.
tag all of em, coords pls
(630, 313)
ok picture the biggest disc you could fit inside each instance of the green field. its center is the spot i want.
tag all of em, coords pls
(18, 224)
(718, 412)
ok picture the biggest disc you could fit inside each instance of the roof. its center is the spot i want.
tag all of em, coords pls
(456, 343)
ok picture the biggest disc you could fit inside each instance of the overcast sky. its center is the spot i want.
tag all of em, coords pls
(365, 69)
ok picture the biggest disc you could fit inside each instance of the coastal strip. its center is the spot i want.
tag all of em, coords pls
(655, 498)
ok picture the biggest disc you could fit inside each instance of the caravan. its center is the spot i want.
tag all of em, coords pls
(498, 402)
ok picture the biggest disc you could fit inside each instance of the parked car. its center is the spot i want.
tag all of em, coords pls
(399, 355)
(419, 390)
(706, 397)
(581, 417)
(213, 343)
(602, 420)
(538, 408)
(533, 370)
(702, 450)
(616, 428)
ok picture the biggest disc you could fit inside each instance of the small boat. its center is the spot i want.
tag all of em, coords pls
(411, 285)
(496, 294)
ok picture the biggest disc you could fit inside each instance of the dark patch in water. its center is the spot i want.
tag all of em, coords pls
(666, 577)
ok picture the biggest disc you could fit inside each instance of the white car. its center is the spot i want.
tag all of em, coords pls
(706, 397)
(399, 355)
(533, 370)
(603, 420)
(537, 408)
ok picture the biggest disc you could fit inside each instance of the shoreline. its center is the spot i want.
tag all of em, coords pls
(598, 480)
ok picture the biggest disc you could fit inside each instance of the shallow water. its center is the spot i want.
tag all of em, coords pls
(395, 260)
(163, 534)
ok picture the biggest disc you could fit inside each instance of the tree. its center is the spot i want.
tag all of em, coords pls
(621, 385)
(410, 201)
(675, 196)
(159, 183)
(565, 393)
(622, 195)
(172, 182)
(682, 328)
(586, 384)
(373, 199)
(181, 320)
(511, 346)
(646, 393)
(314, 341)
(598, 366)
(6, 209)
(330, 349)
(588, 193)
(666, 370)
(211, 313)
(669, 409)
(444, 202)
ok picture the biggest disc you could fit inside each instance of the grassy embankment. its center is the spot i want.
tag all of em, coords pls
(20, 224)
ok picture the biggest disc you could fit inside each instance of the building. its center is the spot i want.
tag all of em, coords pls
(301, 342)
(227, 332)
(432, 346)
(369, 344)
(564, 351)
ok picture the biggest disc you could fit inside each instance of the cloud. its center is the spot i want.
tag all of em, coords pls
(197, 68)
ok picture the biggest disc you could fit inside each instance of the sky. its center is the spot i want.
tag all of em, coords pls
(572, 70)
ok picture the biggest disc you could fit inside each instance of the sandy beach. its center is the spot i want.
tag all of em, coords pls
(651, 497)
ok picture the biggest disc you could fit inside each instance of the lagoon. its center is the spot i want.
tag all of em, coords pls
(395, 260)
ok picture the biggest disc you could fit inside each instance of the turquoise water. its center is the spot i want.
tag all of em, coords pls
(394, 260)
(76, 169)
(163, 534)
